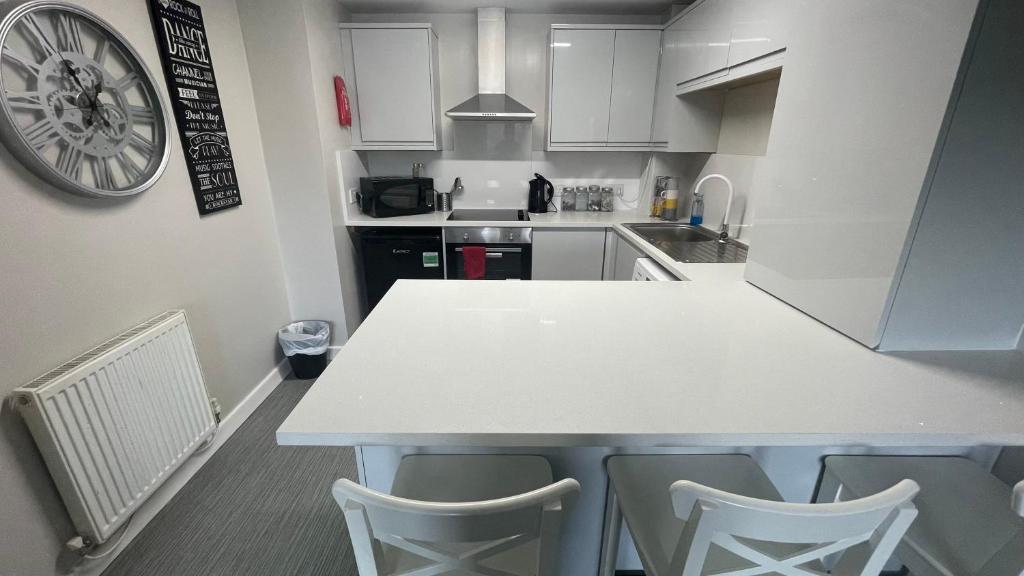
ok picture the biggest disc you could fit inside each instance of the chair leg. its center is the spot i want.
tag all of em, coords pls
(612, 529)
(830, 490)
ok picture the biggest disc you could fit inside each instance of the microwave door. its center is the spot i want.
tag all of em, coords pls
(401, 197)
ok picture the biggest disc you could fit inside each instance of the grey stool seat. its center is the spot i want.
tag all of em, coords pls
(720, 514)
(465, 515)
(965, 525)
(641, 484)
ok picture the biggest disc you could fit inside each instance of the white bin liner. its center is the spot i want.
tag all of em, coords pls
(309, 337)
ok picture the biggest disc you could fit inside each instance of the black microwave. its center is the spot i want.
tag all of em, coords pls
(387, 196)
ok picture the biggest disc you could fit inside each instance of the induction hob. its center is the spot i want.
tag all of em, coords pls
(489, 215)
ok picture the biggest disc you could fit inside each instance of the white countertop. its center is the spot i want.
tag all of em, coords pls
(702, 363)
(546, 220)
(611, 220)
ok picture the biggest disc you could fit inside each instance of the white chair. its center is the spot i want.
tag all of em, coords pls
(969, 525)
(465, 515)
(719, 514)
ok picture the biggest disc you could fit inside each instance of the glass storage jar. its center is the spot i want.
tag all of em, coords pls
(594, 198)
(581, 198)
(607, 199)
(568, 199)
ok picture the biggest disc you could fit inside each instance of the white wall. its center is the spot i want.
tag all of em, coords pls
(283, 82)
(742, 145)
(963, 285)
(76, 272)
(504, 183)
(339, 163)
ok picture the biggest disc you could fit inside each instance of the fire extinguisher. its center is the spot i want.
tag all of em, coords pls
(341, 95)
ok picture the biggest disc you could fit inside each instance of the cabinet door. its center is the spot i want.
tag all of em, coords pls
(756, 29)
(393, 85)
(706, 34)
(665, 92)
(625, 259)
(690, 123)
(581, 85)
(568, 254)
(634, 76)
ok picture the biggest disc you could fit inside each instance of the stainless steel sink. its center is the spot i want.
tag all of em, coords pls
(670, 232)
(686, 243)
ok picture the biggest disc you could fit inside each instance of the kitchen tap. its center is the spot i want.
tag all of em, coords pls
(723, 230)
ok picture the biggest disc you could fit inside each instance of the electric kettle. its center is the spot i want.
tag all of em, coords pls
(541, 192)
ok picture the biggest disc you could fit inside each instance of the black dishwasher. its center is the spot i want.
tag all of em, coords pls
(391, 254)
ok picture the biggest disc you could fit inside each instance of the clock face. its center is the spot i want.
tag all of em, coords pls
(77, 105)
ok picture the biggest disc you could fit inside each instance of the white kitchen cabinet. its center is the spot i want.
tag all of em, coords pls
(706, 29)
(581, 82)
(757, 29)
(718, 43)
(392, 73)
(683, 124)
(623, 259)
(920, 253)
(568, 254)
(602, 86)
(634, 76)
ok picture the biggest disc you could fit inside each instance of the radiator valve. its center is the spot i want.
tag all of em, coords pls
(79, 545)
(216, 409)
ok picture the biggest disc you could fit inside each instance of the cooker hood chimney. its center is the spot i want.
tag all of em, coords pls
(491, 103)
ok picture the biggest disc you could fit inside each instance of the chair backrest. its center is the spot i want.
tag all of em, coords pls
(454, 536)
(863, 533)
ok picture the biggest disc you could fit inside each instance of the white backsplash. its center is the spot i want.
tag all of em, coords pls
(504, 183)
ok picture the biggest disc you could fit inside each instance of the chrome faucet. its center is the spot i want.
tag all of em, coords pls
(723, 230)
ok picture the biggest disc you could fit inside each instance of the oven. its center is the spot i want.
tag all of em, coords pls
(507, 256)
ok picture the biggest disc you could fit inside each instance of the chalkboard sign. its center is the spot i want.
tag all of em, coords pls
(181, 37)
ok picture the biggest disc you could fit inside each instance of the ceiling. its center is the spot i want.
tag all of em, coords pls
(531, 6)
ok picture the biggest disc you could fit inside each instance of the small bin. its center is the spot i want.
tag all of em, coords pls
(305, 344)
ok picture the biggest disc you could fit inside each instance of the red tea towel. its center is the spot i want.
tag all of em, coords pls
(474, 262)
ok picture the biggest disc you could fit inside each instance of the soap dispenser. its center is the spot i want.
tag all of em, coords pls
(697, 212)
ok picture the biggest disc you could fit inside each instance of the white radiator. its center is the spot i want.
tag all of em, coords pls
(115, 422)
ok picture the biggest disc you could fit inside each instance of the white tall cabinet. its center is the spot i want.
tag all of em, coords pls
(394, 88)
(858, 223)
(602, 86)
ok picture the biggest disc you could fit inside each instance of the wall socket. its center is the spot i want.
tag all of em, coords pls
(353, 195)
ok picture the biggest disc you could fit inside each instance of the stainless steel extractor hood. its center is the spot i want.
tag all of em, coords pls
(491, 103)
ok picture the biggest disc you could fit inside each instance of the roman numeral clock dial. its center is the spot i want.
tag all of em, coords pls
(78, 106)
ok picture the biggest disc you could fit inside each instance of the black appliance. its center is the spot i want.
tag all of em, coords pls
(541, 193)
(387, 196)
(390, 254)
(508, 248)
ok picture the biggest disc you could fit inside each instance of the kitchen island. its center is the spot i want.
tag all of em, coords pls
(576, 371)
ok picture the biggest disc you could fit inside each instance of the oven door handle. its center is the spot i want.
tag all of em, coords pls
(497, 252)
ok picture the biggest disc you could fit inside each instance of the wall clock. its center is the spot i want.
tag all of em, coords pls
(78, 106)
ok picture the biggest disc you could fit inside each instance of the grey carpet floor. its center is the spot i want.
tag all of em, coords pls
(255, 508)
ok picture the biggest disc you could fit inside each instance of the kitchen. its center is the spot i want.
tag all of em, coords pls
(495, 159)
(750, 297)
(793, 242)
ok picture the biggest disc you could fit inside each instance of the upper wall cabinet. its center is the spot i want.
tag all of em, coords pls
(602, 87)
(705, 31)
(392, 73)
(718, 42)
(757, 29)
